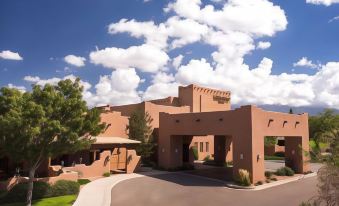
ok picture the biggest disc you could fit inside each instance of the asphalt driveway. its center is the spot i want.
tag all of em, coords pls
(184, 189)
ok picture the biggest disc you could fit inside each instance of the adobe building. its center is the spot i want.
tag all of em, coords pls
(198, 118)
(202, 118)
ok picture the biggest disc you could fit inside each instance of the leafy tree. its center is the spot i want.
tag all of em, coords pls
(270, 141)
(320, 125)
(328, 175)
(46, 122)
(140, 128)
(291, 111)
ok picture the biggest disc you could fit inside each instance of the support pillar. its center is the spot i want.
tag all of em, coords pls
(295, 156)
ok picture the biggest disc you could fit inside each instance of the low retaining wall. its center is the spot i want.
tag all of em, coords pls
(97, 168)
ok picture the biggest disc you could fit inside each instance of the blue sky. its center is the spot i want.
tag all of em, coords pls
(43, 33)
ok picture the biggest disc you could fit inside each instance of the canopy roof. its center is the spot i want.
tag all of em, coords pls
(114, 140)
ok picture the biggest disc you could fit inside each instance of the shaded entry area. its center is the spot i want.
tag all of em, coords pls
(247, 127)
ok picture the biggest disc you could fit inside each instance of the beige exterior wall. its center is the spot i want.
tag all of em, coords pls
(116, 124)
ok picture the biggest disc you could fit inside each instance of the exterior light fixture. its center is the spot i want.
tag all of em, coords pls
(177, 121)
(241, 156)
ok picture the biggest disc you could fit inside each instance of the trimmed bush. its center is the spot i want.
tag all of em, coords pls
(106, 174)
(284, 171)
(83, 181)
(18, 192)
(267, 181)
(268, 174)
(195, 153)
(244, 177)
(65, 187)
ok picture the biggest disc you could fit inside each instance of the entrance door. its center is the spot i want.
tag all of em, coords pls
(185, 152)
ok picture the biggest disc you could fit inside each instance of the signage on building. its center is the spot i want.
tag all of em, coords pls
(221, 100)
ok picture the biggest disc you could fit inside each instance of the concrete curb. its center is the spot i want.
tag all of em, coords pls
(98, 192)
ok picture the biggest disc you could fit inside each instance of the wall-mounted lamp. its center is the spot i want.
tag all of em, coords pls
(163, 150)
(176, 150)
(221, 119)
(293, 152)
(197, 120)
(241, 156)
(177, 121)
(258, 157)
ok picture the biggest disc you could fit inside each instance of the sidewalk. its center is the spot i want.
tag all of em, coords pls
(98, 192)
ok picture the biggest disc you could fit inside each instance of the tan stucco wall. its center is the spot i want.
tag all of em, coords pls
(116, 124)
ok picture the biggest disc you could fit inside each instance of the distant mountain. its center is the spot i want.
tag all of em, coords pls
(296, 110)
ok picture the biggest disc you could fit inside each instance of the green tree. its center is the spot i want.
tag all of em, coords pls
(46, 122)
(140, 128)
(291, 111)
(270, 141)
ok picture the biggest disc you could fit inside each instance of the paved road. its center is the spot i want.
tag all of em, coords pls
(182, 189)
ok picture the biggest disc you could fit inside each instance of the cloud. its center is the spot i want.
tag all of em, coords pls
(20, 88)
(263, 45)
(117, 89)
(322, 2)
(75, 60)
(146, 57)
(304, 62)
(336, 18)
(256, 17)
(6, 54)
(176, 62)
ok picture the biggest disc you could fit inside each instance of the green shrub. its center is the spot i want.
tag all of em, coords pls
(65, 187)
(279, 154)
(267, 181)
(274, 179)
(207, 158)
(18, 192)
(268, 174)
(244, 177)
(195, 153)
(289, 171)
(259, 183)
(106, 174)
(83, 181)
(284, 171)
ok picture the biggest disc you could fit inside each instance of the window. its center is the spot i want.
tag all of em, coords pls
(207, 146)
(201, 147)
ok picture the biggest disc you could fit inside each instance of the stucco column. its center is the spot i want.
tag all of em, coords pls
(164, 153)
(295, 156)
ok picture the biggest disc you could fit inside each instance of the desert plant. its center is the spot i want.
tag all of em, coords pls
(259, 183)
(207, 158)
(268, 174)
(274, 179)
(195, 153)
(284, 171)
(267, 181)
(244, 177)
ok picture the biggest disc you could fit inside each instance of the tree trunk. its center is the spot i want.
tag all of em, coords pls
(30, 187)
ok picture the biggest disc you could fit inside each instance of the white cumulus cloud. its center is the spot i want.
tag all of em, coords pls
(146, 57)
(304, 62)
(322, 2)
(7, 54)
(75, 60)
(263, 45)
